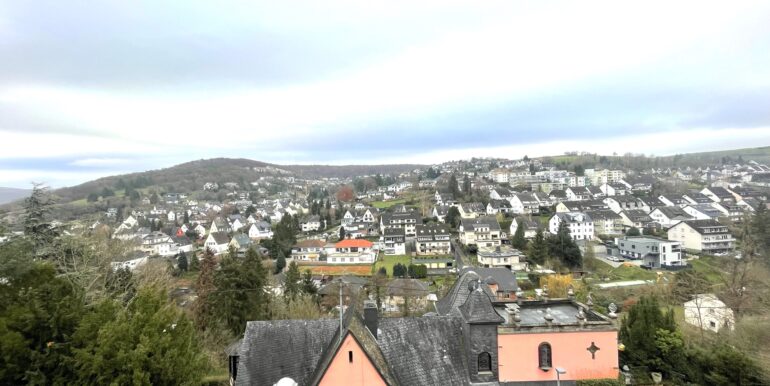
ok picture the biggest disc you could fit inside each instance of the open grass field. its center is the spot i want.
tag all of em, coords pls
(337, 270)
(389, 261)
(705, 266)
(388, 204)
(623, 272)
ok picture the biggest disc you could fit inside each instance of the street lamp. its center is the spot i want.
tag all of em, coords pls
(559, 372)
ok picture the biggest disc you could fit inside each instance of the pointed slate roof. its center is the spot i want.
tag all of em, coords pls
(478, 309)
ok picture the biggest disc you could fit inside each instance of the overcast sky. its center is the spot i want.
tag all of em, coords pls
(94, 88)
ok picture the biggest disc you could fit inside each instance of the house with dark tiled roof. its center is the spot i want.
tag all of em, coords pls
(307, 250)
(717, 194)
(708, 236)
(668, 216)
(482, 231)
(473, 338)
(433, 239)
(407, 220)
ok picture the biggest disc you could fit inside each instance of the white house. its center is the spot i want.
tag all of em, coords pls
(668, 216)
(501, 256)
(217, 242)
(352, 251)
(312, 224)
(524, 203)
(260, 230)
(394, 240)
(159, 243)
(530, 227)
(703, 212)
(580, 225)
(707, 312)
(707, 236)
(483, 231)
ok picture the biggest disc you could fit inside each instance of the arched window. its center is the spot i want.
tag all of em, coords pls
(485, 362)
(544, 356)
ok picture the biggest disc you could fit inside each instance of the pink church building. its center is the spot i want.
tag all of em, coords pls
(475, 337)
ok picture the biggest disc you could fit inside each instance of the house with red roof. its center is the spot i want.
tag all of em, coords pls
(352, 251)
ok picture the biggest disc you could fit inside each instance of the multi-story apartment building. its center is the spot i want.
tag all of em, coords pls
(707, 236)
(394, 240)
(483, 231)
(433, 240)
(581, 225)
(406, 220)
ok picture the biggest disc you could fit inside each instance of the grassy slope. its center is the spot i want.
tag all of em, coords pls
(389, 261)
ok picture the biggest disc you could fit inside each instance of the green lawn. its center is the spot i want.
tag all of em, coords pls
(388, 204)
(704, 265)
(389, 261)
(623, 272)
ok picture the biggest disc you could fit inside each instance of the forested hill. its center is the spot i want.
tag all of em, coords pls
(191, 176)
(345, 171)
(188, 176)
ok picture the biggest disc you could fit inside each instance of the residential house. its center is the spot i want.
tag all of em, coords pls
(613, 189)
(352, 251)
(471, 209)
(530, 226)
(673, 200)
(707, 312)
(580, 206)
(707, 236)
(398, 290)
(261, 230)
(307, 250)
(703, 211)
(606, 222)
(217, 242)
(483, 231)
(440, 212)
(524, 202)
(501, 256)
(432, 239)
(667, 216)
(499, 193)
(636, 219)
(241, 242)
(394, 240)
(695, 198)
(407, 220)
(311, 224)
(498, 206)
(158, 243)
(578, 193)
(623, 203)
(718, 194)
(580, 225)
(655, 252)
(445, 199)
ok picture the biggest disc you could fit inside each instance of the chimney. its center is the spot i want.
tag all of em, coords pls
(371, 319)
